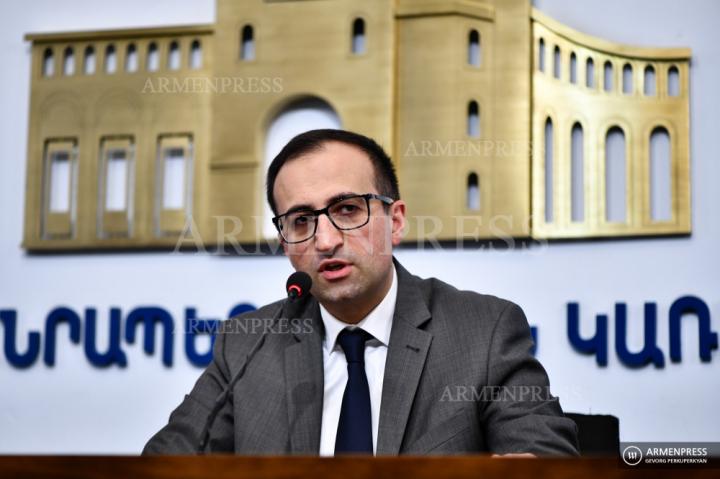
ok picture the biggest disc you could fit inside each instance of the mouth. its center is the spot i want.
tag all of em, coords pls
(334, 269)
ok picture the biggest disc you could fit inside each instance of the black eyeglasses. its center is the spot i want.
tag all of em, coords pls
(346, 213)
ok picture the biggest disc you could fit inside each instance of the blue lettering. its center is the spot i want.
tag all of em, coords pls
(57, 316)
(534, 334)
(598, 344)
(650, 352)
(19, 360)
(113, 355)
(708, 338)
(149, 316)
(193, 327)
(240, 309)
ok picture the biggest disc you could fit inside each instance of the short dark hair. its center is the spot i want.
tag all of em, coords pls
(385, 178)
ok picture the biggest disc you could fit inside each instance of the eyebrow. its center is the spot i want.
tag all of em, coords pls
(309, 207)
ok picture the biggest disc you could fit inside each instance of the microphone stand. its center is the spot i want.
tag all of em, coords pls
(227, 391)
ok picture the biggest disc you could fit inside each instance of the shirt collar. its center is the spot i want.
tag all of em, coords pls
(378, 322)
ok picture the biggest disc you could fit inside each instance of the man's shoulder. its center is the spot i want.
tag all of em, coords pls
(468, 320)
(463, 306)
(443, 295)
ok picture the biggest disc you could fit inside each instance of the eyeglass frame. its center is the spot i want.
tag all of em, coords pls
(326, 211)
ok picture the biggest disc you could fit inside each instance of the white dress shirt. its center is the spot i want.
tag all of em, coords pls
(378, 323)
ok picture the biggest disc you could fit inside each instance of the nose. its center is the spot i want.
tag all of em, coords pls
(327, 237)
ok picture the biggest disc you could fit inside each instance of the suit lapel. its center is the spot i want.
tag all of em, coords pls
(304, 378)
(406, 357)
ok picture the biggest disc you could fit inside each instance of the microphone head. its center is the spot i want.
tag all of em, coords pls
(298, 285)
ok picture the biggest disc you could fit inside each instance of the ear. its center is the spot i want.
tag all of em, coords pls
(397, 216)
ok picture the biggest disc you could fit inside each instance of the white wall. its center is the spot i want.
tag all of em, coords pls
(76, 408)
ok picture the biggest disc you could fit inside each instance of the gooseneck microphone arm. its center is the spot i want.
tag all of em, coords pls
(298, 288)
(227, 391)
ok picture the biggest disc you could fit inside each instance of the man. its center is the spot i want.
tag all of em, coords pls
(392, 364)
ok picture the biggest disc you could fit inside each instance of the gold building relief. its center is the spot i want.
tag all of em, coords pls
(501, 121)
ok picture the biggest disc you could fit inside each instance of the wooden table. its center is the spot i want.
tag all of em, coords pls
(239, 467)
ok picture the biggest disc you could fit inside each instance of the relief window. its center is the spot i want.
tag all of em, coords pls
(196, 56)
(573, 68)
(649, 82)
(247, 43)
(153, 58)
(615, 176)
(474, 48)
(174, 172)
(627, 79)
(473, 119)
(89, 60)
(110, 59)
(577, 165)
(660, 175)
(131, 58)
(472, 195)
(174, 56)
(673, 81)
(549, 163)
(116, 185)
(59, 188)
(48, 64)
(608, 76)
(358, 36)
(590, 73)
(69, 62)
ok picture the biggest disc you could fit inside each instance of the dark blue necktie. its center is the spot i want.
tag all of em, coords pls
(354, 434)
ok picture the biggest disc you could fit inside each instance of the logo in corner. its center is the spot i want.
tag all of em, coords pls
(632, 455)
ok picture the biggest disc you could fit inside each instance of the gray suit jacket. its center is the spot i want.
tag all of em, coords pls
(459, 378)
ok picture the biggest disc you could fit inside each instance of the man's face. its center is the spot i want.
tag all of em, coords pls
(351, 270)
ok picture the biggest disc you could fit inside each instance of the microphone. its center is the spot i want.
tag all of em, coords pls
(298, 290)
(298, 284)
